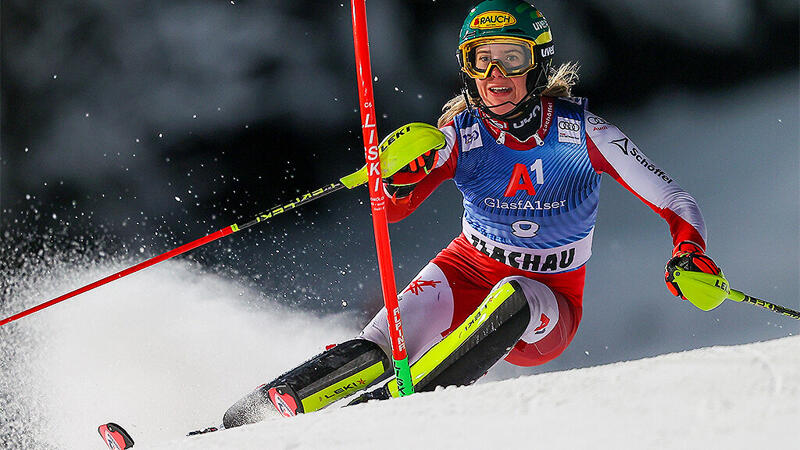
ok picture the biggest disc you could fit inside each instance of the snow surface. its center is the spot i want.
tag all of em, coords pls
(739, 397)
(169, 349)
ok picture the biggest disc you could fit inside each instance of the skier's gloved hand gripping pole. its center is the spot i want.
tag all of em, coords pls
(693, 276)
(401, 147)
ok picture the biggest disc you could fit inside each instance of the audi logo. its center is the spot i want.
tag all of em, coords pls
(569, 126)
(596, 121)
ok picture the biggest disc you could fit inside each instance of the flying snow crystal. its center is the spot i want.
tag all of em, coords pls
(177, 199)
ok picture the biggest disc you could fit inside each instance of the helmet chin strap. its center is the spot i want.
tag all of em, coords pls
(518, 108)
(531, 97)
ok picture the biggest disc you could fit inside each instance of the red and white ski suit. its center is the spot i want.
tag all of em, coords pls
(529, 213)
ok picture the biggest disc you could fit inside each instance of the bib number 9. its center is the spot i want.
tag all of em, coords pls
(524, 228)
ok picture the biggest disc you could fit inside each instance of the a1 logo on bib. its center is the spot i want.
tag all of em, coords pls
(569, 130)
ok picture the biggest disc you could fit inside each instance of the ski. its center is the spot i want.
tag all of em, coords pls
(116, 438)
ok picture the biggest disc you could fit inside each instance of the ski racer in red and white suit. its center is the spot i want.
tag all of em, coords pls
(528, 160)
(529, 213)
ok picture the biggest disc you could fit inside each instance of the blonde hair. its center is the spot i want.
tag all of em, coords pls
(559, 84)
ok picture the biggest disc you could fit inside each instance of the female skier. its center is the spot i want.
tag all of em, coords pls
(527, 158)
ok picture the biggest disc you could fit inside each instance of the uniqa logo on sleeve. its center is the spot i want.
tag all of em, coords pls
(492, 19)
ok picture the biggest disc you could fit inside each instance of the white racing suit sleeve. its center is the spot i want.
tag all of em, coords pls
(614, 153)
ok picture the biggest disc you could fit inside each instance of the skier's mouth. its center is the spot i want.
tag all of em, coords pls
(500, 90)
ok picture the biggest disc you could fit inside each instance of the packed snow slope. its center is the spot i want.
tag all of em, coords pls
(167, 350)
(739, 397)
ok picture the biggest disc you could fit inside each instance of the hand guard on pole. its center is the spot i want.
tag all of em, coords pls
(692, 275)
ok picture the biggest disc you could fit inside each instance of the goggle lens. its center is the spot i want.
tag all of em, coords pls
(513, 58)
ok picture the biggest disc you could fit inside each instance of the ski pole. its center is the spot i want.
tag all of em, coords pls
(739, 296)
(399, 148)
(707, 291)
(378, 197)
(302, 200)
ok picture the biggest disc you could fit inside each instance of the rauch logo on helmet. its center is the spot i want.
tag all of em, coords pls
(492, 19)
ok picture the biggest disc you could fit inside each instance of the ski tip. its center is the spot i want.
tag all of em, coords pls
(115, 437)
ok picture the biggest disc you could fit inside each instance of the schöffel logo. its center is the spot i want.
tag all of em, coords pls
(569, 130)
(628, 149)
(492, 19)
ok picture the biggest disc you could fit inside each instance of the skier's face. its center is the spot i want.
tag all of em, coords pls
(500, 91)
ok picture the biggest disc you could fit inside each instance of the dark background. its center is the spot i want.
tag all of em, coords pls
(131, 127)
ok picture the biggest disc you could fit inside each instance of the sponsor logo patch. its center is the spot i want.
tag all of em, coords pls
(543, 322)
(471, 138)
(569, 130)
(535, 112)
(349, 387)
(552, 262)
(492, 19)
(284, 403)
(631, 151)
(418, 285)
(596, 120)
(111, 442)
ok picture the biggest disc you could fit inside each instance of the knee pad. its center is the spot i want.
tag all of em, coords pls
(543, 305)
(552, 326)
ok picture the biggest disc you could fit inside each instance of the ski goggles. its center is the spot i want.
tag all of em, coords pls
(513, 56)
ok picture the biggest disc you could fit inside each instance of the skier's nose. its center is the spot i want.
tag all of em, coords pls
(496, 72)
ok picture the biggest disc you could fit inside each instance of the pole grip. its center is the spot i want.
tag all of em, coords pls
(377, 196)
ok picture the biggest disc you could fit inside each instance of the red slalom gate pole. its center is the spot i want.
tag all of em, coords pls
(377, 197)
